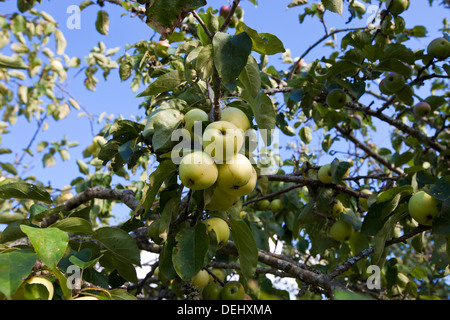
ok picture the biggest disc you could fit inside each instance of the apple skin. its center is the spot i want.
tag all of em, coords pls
(221, 229)
(220, 200)
(235, 173)
(211, 292)
(341, 230)
(263, 204)
(382, 88)
(236, 117)
(276, 205)
(439, 48)
(336, 99)
(247, 188)
(324, 174)
(222, 140)
(225, 10)
(232, 290)
(363, 201)
(397, 6)
(198, 171)
(423, 208)
(219, 273)
(153, 232)
(422, 109)
(394, 82)
(191, 117)
(338, 208)
(201, 279)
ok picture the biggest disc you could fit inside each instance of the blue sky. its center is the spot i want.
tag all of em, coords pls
(114, 97)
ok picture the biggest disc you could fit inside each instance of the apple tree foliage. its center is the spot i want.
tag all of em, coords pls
(214, 60)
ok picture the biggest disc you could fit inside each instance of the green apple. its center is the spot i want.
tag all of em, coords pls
(325, 174)
(338, 208)
(263, 204)
(336, 99)
(363, 201)
(8, 217)
(397, 6)
(276, 205)
(382, 88)
(341, 230)
(222, 140)
(198, 170)
(220, 228)
(236, 117)
(439, 48)
(422, 109)
(153, 232)
(406, 95)
(201, 279)
(234, 173)
(423, 208)
(211, 291)
(232, 290)
(219, 273)
(237, 191)
(394, 82)
(193, 116)
(220, 200)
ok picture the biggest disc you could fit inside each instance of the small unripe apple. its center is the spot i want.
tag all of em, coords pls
(363, 201)
(201, 279)
(211, 291)
(397, 6)
(235, 173)
(341, 230)
(198, 171)
(236, 117)
(263, 204)
(193, 116)
(423, 208)
(382, 88)
(336, 99)
(439, 48)
(232, 290)
(225, 10)
(276, 205)
(220, 228)
(325, 174)
(422, 109)
(222, 140)
(394, 82)
(219, 273)
(338, 208)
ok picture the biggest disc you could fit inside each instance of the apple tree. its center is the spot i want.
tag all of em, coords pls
(221, 160)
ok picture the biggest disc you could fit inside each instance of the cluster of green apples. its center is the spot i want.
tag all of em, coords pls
(276, 205)
(219, 165)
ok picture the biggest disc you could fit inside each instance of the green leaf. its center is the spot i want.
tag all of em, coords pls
(8, 167)
(74, 225)
(102, 22)
(120, 243)
(166, 269)
(166, 82)
(204, 64)
(48, 243)
(25, 5)
(165, 15)
(263, 43)
(250, 77)
(156, 179)
(61, 42)
(14, 266)
(21, 190)
(296, 3)
(334, 5)
(231, 54)
(190, 251)
(246, 245)
(14, 62)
